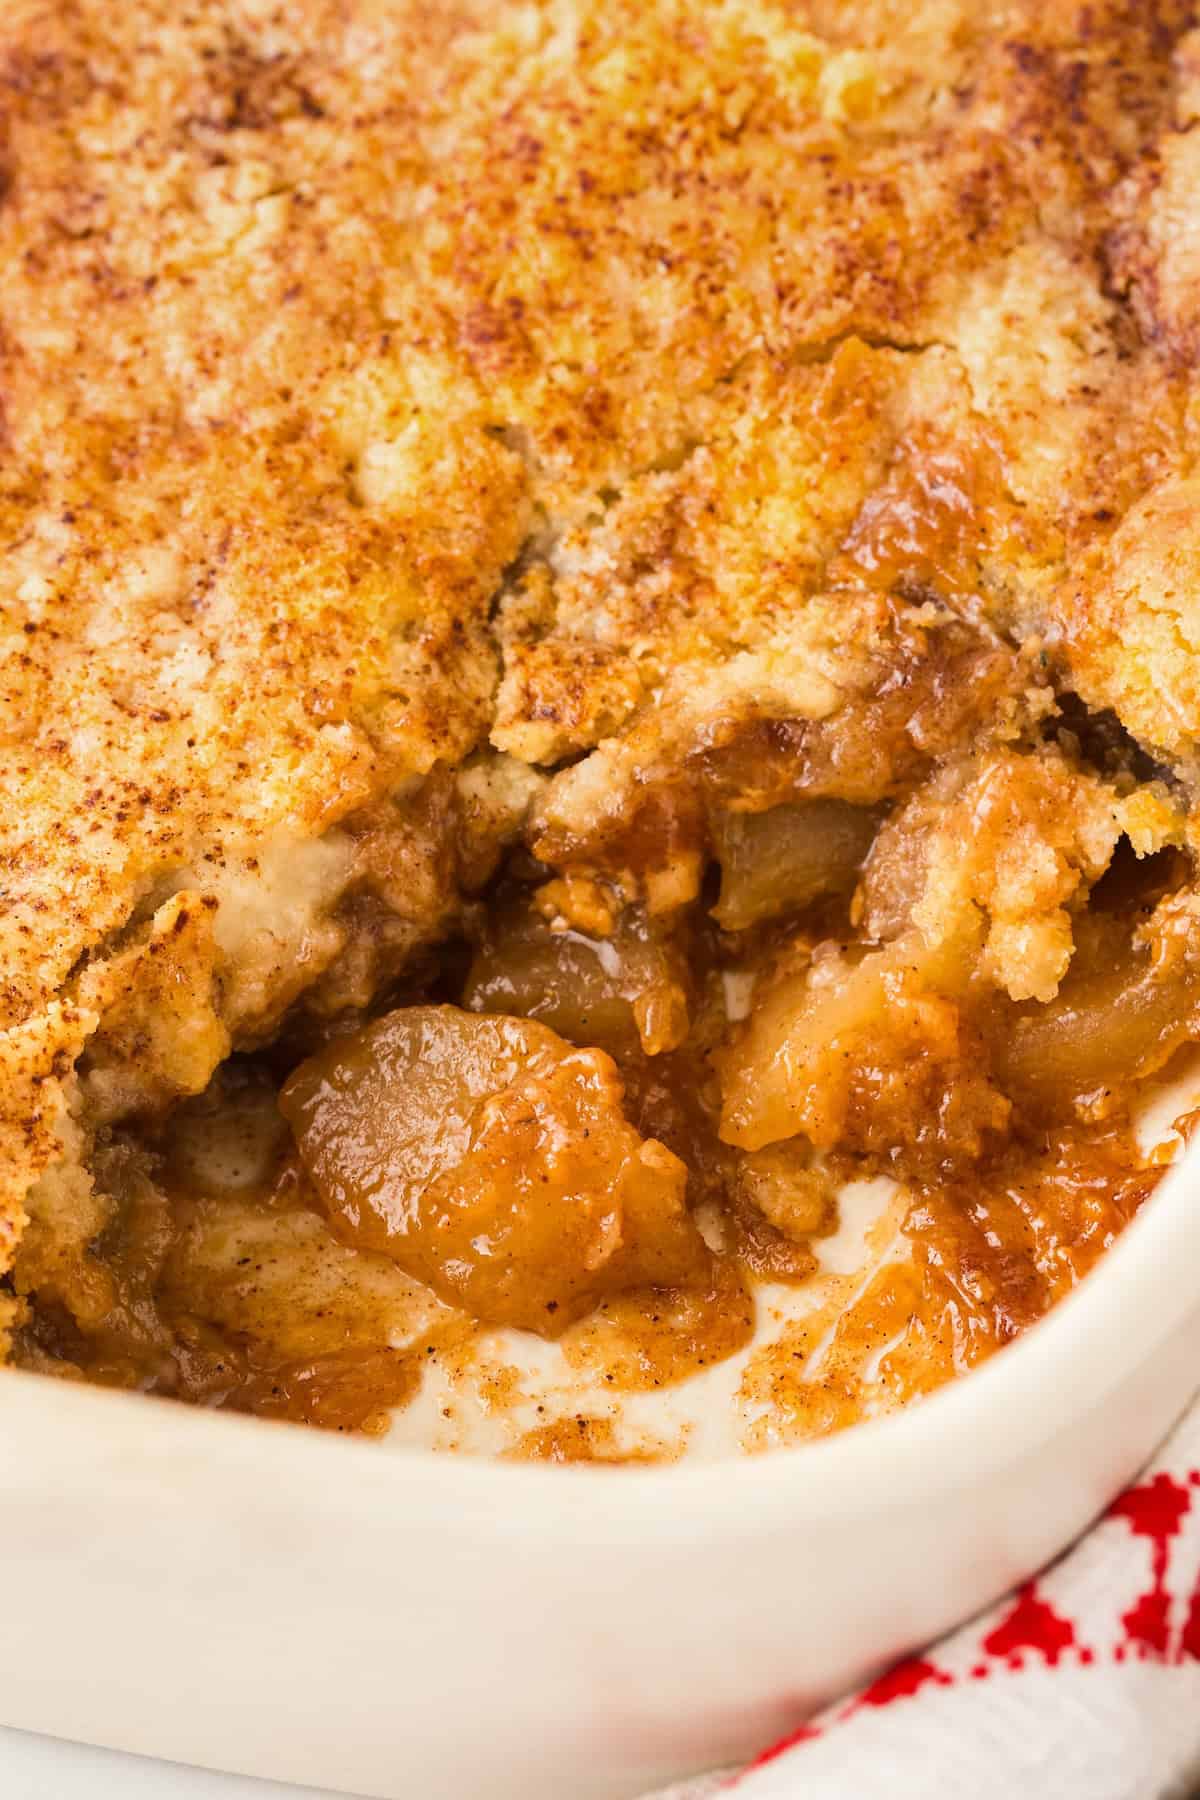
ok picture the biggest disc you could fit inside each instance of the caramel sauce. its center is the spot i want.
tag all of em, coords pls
(950, 1280)
(638, 1341)
(353, 1390)
(580, 1439)
(358, 1390)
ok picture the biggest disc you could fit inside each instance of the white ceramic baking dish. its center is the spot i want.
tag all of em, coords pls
(258, 1598)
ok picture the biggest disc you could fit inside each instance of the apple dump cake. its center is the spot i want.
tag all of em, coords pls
(601, 646)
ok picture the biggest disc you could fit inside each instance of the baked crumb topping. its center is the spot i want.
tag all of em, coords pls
(673, 525)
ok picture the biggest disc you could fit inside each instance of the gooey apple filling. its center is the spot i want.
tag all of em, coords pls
(892, 909)
(622, 1125)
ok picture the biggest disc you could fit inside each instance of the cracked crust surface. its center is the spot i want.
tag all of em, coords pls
(383, 381)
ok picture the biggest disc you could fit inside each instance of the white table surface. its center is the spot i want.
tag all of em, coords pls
(42, 1768)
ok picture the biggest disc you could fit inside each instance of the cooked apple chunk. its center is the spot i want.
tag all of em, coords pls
(1131, 1000)
(492, 1161)
(868, 1053)
(782, 860)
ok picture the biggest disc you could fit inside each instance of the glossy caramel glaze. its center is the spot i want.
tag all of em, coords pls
(949, 1281)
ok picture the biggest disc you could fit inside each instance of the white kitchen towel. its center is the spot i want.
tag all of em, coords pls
(1084, 1685)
